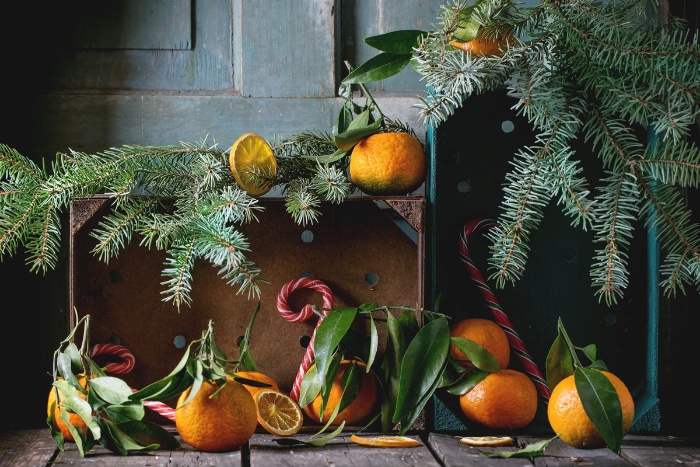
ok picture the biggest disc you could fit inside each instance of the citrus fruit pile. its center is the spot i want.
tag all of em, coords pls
(502, 400)
(388, 164)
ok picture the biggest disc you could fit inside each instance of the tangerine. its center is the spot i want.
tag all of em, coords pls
(486, 333)
(360, 408)
(388, 164)
(569, 420)
(502, 400)
(218, 418)
(75, 419)
(485, 45)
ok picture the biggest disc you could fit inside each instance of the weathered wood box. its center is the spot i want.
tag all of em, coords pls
(366, 250)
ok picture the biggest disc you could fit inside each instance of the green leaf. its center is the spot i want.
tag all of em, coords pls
(530, 451)
(559, 363)
(125, 412)
(348, 139)
(398, 42)
(479, 356)
(329, 334)
(467, 27)
(466, 381)
(110, 389)
(310, 387)
(147, 433)
(314, 440)
(379, 67)
(590, 352)
(422, 365)
(247, 363)
(407, 420)
(344, 119)
(391, 368)
(602, 405)
(373, 342)
(170, 386)
(350, 382)
(327, 158)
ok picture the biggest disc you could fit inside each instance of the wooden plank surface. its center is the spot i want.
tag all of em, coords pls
(339, 452)
(35, 447)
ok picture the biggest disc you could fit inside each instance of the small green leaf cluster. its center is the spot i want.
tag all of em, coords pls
(114, 419)
(598, 395)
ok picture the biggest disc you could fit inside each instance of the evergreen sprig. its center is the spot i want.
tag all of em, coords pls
(182, 200)
(608, 74)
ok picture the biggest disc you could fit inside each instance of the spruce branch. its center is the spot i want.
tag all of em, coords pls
(605, 73)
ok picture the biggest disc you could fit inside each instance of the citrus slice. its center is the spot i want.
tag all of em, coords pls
(386, 441)
(278, 413)
(250, 158)
(487, 440)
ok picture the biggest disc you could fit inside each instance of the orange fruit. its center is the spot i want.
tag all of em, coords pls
(569, 420)
(75, 419)
(257, 376)
(252, 155)
(385, 441)
(505, 400)
(218, 418)
(485, 46)
(359, 409)
(388, 164)
(485, 332)
(278, 413)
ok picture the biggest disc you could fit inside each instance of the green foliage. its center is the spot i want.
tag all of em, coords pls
(607, 74)
(113, 418)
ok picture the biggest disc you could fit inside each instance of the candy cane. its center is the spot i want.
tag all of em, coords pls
(499, 315)
(115, 368)
(305, 313)
(125, 366)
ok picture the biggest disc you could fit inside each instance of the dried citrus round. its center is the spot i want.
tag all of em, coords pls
(218, 418)
(569, 420)
(359, 409)
(385, 441)
(485, 332)
(502, 400)
(278, 413)
(75, 419)
(251, 157)
(388, 164)
(487, 440)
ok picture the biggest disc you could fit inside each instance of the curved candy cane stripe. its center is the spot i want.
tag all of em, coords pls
(115, 368)
(160, 408)
(305, 313)
(492, 302)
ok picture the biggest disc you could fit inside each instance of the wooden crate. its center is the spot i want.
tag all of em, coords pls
(360, 237)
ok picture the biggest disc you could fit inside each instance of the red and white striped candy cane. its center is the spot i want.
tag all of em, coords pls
(115, 368)
(305, 313)
(492, 302)
(125, 366)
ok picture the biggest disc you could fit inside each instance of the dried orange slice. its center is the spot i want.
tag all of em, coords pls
(487, 440)
(278, 413)
(386, 441)
(251, 157)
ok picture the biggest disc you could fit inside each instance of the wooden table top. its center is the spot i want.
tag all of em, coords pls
(35, 447)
